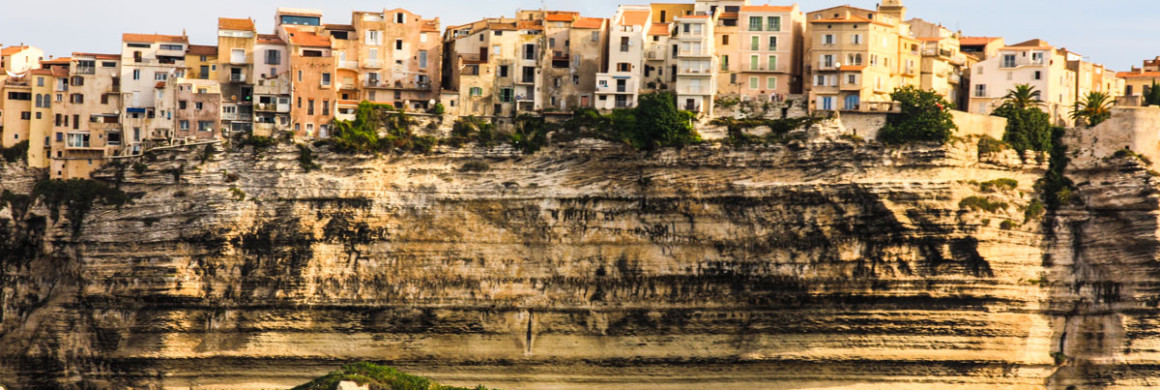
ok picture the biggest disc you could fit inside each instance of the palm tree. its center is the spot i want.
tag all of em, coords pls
(1023, 96)
(1094, 108)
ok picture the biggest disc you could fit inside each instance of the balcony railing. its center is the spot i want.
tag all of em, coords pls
(237, 78)
(372, 64)
(348, 64)
(86, 70)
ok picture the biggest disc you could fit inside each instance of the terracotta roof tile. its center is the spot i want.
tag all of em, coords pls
(561, 16)
(1032, 43)
(589, 23)
(151, 38)
(1134, 75)
(502, 26)
(12, 50)
(307, 38)
(976, 41)
(236, 24)
(160, 84)
(659, 29)
(98, 56)
(57, 61)
(766, 8)
(430, 25)
(41, 72)
(202, 50)
(634, 18)
(530, 25)
(270, 39)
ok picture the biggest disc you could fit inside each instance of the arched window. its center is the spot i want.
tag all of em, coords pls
(39, 100)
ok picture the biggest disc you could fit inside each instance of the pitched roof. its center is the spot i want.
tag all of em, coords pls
(202, 50)
(1134, 75)
(429, 25)
(766, 8)
(1032, 43)
(659, 29)
(270, 39)
(307, 38)
(12, 50)
(98, 56)
(236, 24)
(151, 38)
(634, 18)
(588, 23)
(558, 16)
(977, 41)
(530, 25)
(57, 61)
(502, 26)
(338, 27)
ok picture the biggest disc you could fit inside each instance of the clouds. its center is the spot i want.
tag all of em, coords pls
(1117, 33)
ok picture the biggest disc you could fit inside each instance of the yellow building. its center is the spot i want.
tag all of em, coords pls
(666, 12)
(856, 57)
(202, 62)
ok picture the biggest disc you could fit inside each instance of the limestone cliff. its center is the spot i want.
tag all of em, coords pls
(810, 265)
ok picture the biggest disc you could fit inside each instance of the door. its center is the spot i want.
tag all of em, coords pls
(584, 101)
(852, 102)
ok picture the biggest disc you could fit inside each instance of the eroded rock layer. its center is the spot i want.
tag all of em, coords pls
(821, 265)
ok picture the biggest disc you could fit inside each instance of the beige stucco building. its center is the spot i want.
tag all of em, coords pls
(1033, 62)
(620, 85)
(856, 57)
(770, 57)
(21, 58)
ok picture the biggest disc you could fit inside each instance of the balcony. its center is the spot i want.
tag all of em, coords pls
(237, 78)
(655, 54)
(695, 71)
(823, 66)
(352, 65)
(693, 53)
(372, 64)
(86, 70)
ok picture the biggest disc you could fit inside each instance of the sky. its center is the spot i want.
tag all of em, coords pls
(1117, 33)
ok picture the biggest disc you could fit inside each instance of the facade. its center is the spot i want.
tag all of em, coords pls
(770, 59)
(575, 48)
(696, 63)
(202, 62)
(856, 57)
(943, 65)
(1137, 83)
(620, 85)
(312, 71)
(272, 87)
(1033, 62)
(981, 48)
(20, 59)
(16, 111)
(236, 61)
(397, 55)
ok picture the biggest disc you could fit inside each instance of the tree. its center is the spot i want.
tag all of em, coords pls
(1023, 96)
(1027, 128)
(1094, 108)
(1152, 95)
(924, 116)
(656, 123)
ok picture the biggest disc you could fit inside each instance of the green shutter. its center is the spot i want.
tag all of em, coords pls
(754, 23)
(753, 65)
(774, 23)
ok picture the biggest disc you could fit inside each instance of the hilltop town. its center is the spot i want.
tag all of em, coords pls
(714, 58)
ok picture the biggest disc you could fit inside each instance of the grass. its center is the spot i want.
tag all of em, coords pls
(999, 185)
(378, 378)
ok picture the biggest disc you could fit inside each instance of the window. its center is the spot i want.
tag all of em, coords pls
(753, 63)
(771, 83)
(40, 81)
(78, 140)
(981, 90)
(1038, 75)
(755, 43)
(828, 61)
(476, 91)
(325, 107)
(724, 62)
(310, 107)
(199, 106)
(273, 57)
(754, 23)
(856, 39)
(326, 79)
(773, 23)
(753, 82)
(184, 125)
(204, 126)
(160, 76)
(300, 76)
(398, 44)
(373, 38)
(76, 98)
(422, 59)
(27, 115)
(828, 39)
(724, 39)
(624, 44)
(771, 63)
(772, 43)
(136, 74)
(503, 71)
(399, 17)
(181, 104)
(529, 52)
(173, 47)
(1037, 57)
(596, 36)
(873, 60)
(300, 102)
(1008, 60)
(505, 95)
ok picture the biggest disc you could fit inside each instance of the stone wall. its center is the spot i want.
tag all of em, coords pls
(863, 124)
(1134, 128)
(979, 125)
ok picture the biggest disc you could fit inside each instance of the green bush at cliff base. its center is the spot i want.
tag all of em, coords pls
(376, 377)
(362, 134)
(924, 117)
(18, 152)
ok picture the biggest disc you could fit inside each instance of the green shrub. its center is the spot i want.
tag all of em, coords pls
(140, 167)
(237, 194)
(439, 109)
(18, 152)
(1034, 210)
(259, 143)
(206, 154)
(1027, 128)
(362, 135)
(377, 377)
(1056, 188)
(1128, 153)
(981, 203)
(988, 145)
(656, 122)
(999, 185)
(1007, 225)
(925, 117)
(306, 159)
(531, 133)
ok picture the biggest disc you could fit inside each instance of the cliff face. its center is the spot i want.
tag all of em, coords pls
(829, 264)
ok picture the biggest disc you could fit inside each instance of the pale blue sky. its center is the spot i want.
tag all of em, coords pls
(1117, 33)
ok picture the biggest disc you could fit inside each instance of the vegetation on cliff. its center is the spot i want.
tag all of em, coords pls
(779, 129)
(1028, 127)
(377, 378)
(362, 134)
(18, 152)
(77, 196)
(925, 116)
